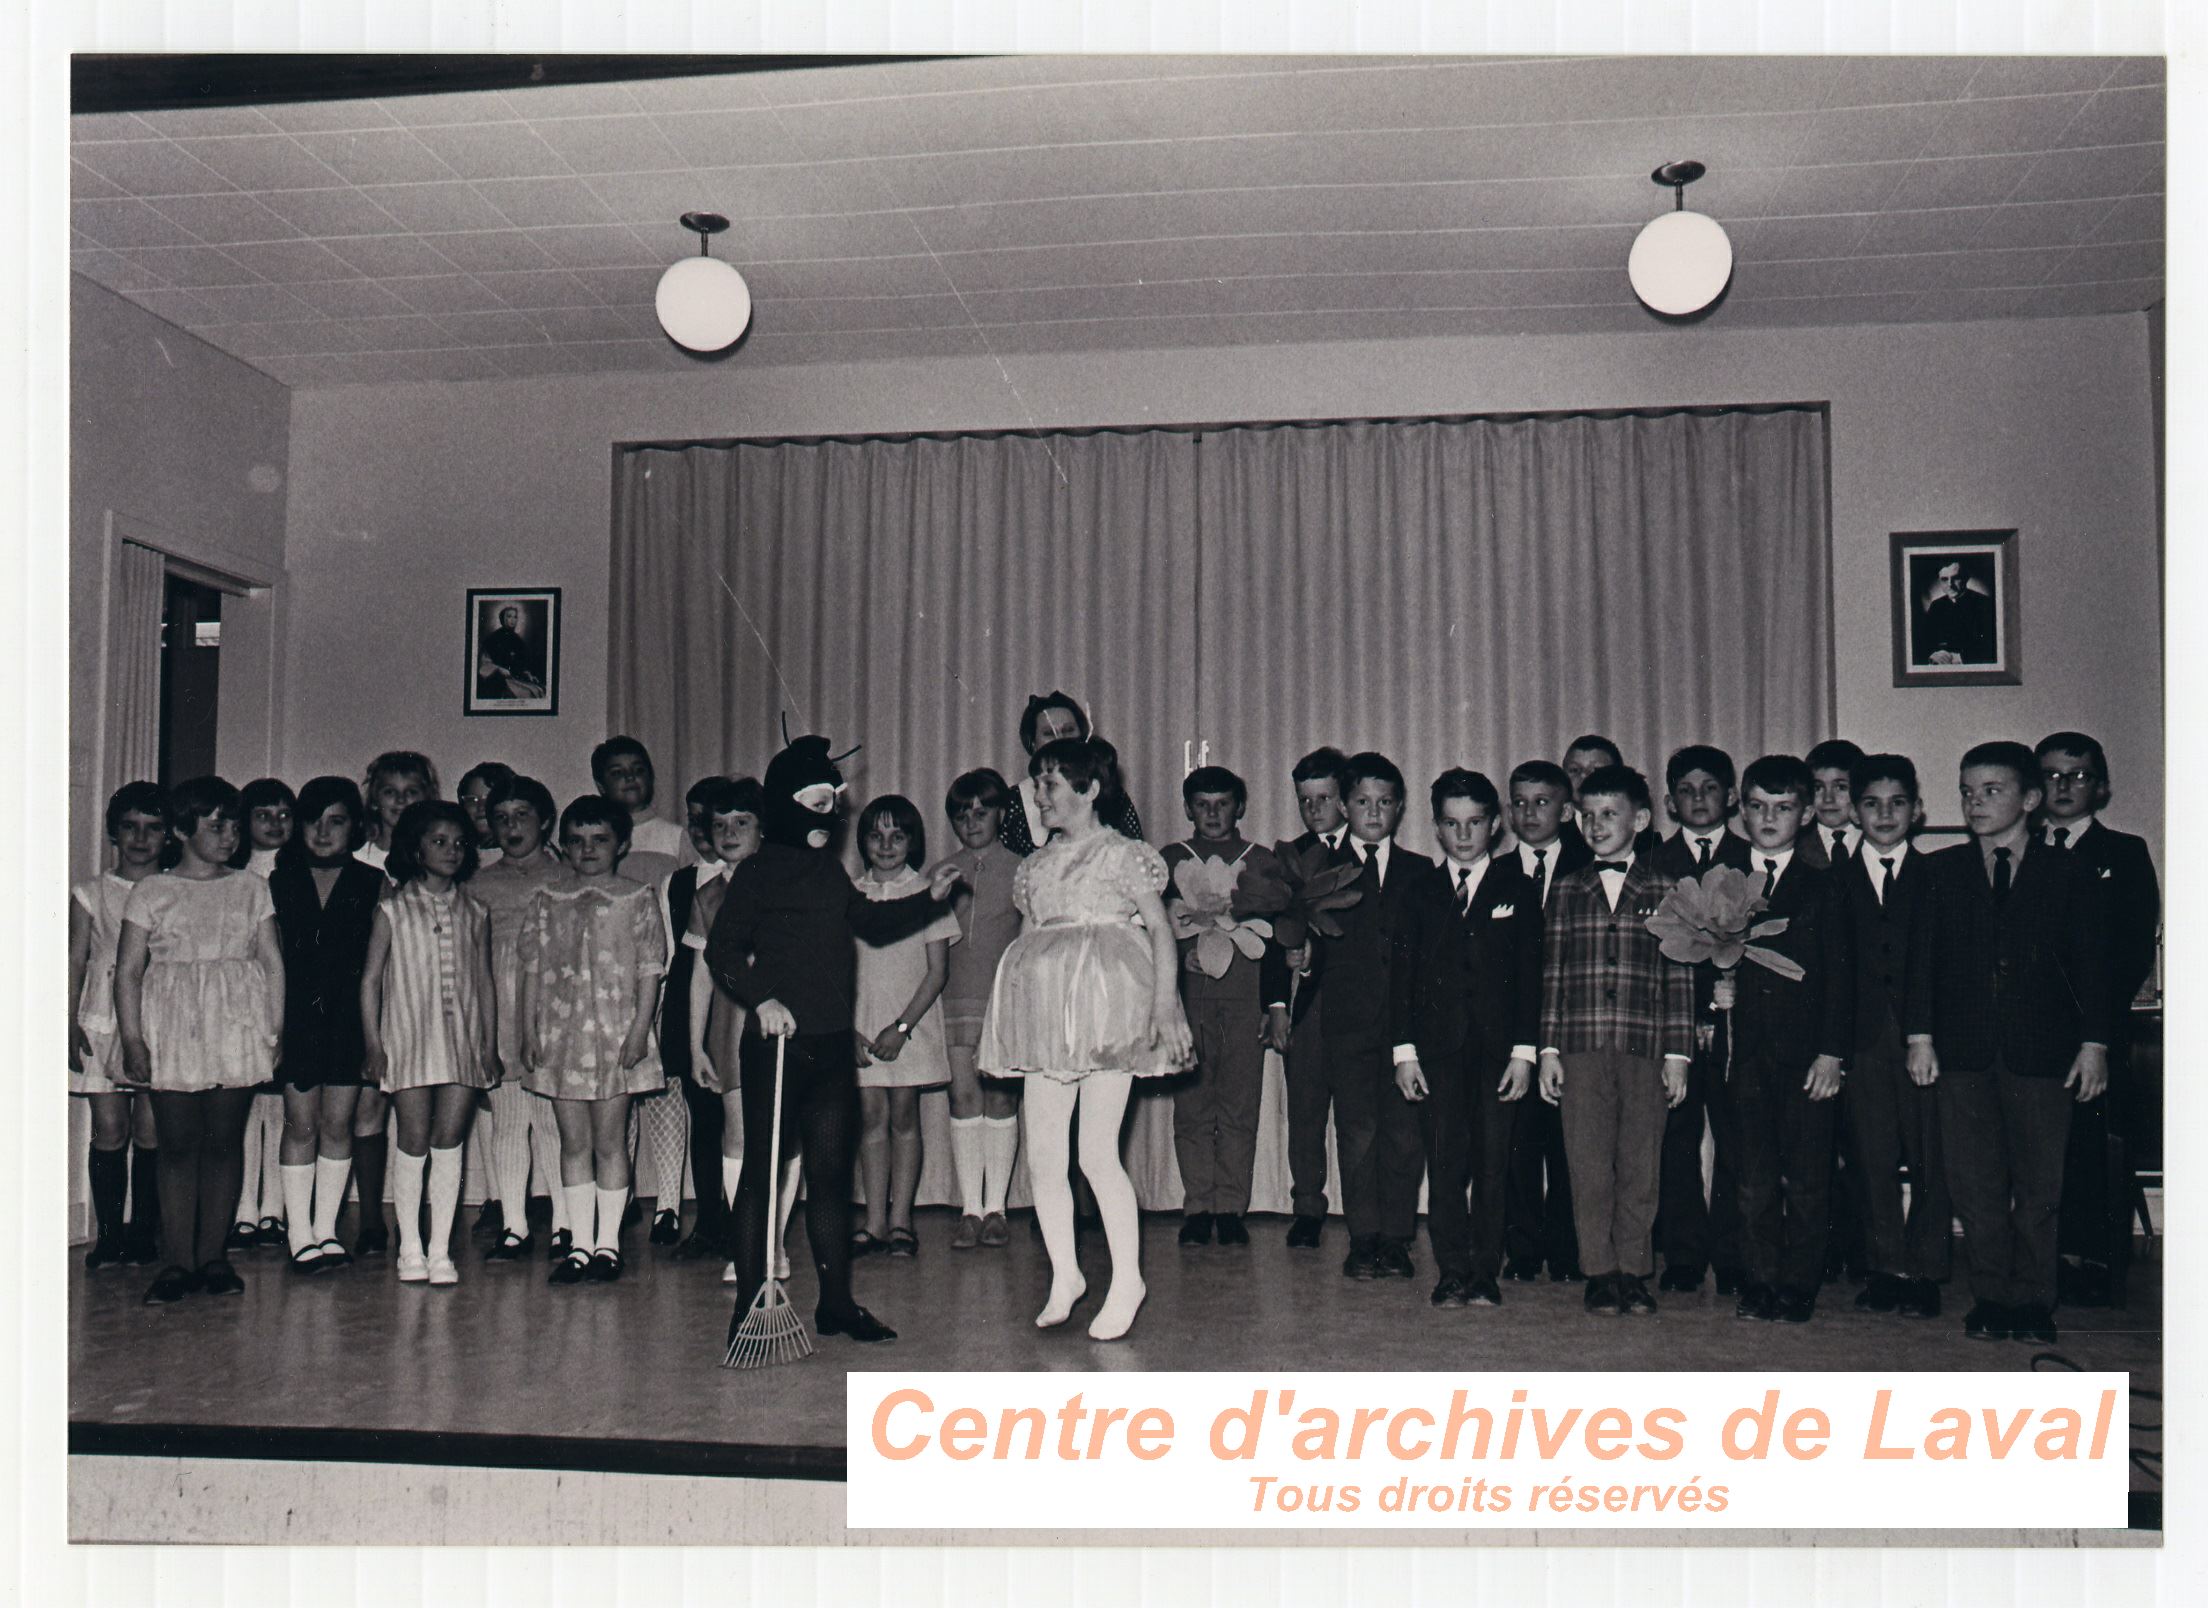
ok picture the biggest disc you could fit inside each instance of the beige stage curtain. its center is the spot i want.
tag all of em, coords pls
(1450, 592)
(134, 669)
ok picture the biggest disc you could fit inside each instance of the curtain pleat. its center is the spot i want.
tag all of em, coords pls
(1470, 592)
(134, 668)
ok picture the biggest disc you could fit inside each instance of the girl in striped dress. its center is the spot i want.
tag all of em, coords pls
(426, 1014)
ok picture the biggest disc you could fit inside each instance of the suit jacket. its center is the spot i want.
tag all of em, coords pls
(1605, 981)
(1884, 936)
(1354, 972)
(1675, 858)
(2133, 899)
(2024, 982)
(1811, 847)
(1567, 854)
(1787, 1022)
(1475, 977)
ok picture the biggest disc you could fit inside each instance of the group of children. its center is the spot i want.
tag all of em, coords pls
(592, 990)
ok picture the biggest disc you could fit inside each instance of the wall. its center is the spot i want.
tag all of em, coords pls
(402, 496)
(184, 448)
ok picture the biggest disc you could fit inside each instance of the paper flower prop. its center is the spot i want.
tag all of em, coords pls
(1318, 891)
(1205, 909)
(1713, 917)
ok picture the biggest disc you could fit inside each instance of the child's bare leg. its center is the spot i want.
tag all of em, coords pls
(904, 1156)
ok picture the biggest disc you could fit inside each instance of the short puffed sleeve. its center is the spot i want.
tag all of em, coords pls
(1137, 869)
(260, 905)
(148, 902)
(1020, 880)
(647, 933)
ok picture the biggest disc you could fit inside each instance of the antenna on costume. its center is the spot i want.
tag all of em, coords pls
(837, 759)
(785, 728)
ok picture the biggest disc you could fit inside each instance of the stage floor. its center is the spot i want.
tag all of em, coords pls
(505, 1369)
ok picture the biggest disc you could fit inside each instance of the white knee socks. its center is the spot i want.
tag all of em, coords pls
(581, 1201)
(967, 1141)
(611, 1204)
(299, 1206)
(406, 1199)
(1000, 1151)
(329, 1194)
(444, 1200)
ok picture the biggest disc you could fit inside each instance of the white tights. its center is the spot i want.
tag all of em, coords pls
(1102, 1099)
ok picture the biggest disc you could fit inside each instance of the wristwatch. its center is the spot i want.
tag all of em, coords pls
(904, 1029)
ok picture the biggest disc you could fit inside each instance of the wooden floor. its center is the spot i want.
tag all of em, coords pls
(506, 1370)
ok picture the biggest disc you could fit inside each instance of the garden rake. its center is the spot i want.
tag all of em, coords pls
(772, 1330)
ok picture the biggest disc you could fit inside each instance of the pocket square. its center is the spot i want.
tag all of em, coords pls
(2106, 873)
(1500, 911)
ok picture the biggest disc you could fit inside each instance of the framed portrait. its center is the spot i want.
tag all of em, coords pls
(1956, 609)
(513, 656)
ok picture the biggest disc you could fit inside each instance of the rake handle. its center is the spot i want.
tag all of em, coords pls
(774, 1157)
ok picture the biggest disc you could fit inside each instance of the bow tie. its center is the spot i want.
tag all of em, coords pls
(1612, 865)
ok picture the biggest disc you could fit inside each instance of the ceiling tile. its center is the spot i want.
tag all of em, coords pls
(833, 131)
(1764, 279)
(546, 288)
(2120, 117)
(1945, 229)
(254, 341)
(601, 246)
(2128, 70)
(2108, 296)
(504, 250)
(1992, 127)
(2103, 171)
(2043, 223)
(784, 191)
(1865, 187)
(1898, 80)
(125, 223)
(883, 312)
(538, 102)
(1870, 276)
(2038, 75)
(223, 220)
(458, 364)
(436, 208)
(86, 128)
(1943, 181)
(704, 92)
(327, 116)
(596, 324)
(879, 234)
(391, 256)
(182, 308)
(191, 267)
(621, 287)
(2138, 259)
(492, 151)
(504, 328)
(329, 212)
(296, 372)
(435, 111)
(1955, 306)
(1763, 83)
(349, 298)
(536, 203)
(871, 276)
(402, 333)
(444, 293)
(2005, 269)
(207, 120)
(117, 273)
(286, 262)
(728, 138)
(1776, 239)
(264, 162)
(377, 156)
(2134, 218)
(1873, 133)
(1820, 310)
(253, 304)
(875, 346)
(609, 144)
(658, 198)
(151, 167)
(86, 185)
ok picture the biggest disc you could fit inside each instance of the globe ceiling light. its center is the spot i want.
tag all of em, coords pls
(703, 303)
(1682, 261)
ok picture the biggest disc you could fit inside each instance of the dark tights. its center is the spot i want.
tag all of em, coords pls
(202, 1165)
(707, 1119)
(820, 1111)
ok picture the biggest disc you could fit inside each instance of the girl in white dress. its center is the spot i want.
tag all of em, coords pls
(271, 816)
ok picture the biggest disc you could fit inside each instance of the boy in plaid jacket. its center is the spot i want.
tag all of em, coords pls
(1617, 1033)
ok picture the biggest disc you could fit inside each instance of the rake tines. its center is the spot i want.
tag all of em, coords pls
(772, 1332)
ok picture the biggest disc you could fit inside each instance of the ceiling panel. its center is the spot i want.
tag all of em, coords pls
(939, 208)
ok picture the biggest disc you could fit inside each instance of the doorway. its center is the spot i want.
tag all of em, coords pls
(191, 678)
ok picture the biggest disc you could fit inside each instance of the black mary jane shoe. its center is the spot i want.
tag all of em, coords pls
(220, 1278)
(275, 1233)
(605, 1267)
(561, 1246)
(860, 1324)
(170, 1285)
(511, 1247)
(569, 1269)
(244, 1236)
(308, 1259)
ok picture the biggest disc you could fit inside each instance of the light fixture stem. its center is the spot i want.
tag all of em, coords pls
(1678, 198)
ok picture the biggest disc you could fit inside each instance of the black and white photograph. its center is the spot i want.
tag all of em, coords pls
(1189, 711)
(1956, 609)
(513, 651)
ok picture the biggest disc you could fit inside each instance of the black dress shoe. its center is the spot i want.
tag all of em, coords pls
(1565, 1275)
(107, 1251)
(1918, 1298)
(1231, 1229)
(1793, 1306)
(1450, 1292)
(1602, 1295)
(860, 1324)
(1680, 1280)
(1522, 1272)
(373, 1242)
(1360, 1263)
(2035, 1324)
(666, 1228)
(2082, 1284)
(220, 1278)
(1481, 1292)
(1988, 1320)
(1393, 1260)
(1633, 1296)
(1196, 1229)
(1730, 1281)
(491, 1220)
(140, 1249)
(1303, 1233)
(1757, 1303)
(1880, 1293)
(170, 1285)
(700, 1247)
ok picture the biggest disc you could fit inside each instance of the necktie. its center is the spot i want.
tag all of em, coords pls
(1371, 852)
(1464, 889)
(1611, 865)
(1839, 846)
(1702, 854)
(1770, 876)
(1885, 877)
(2000, 875)
(1541, 875)
(2062, 837)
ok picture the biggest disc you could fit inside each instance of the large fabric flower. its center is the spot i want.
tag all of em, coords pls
(1204, 909)
(1318, 889)
(1713, 917)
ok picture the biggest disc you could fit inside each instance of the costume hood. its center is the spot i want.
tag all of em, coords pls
(804, 763)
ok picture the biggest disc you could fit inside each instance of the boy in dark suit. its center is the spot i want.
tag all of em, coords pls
(1215, 1109)
(1892, 1121)
(1835, 834)
(2095, 1230)
(1537, 1206)
(1471, 992)
(1791, 1038)
(1300, 1038)
(1612, 1004)
(1376, 1138)
(1692, 1230)
(2007, 1017)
